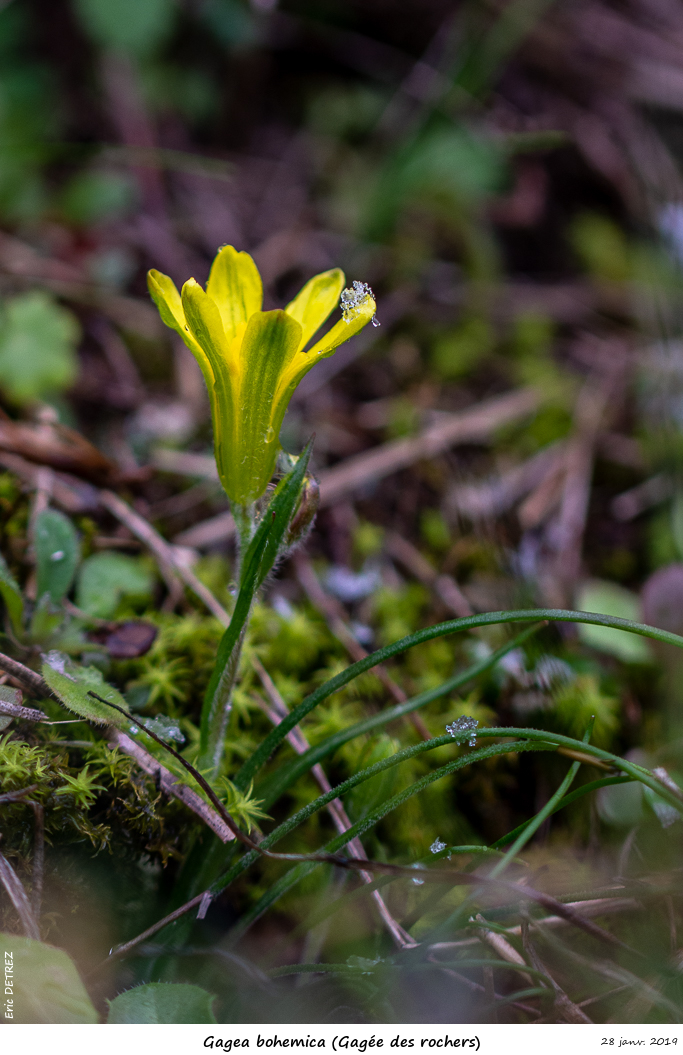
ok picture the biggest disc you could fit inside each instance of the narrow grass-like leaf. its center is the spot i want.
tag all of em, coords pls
(258, 561)
(453, 626)
(535, 739)
(299, 871)
(585, 789)
(273, 787)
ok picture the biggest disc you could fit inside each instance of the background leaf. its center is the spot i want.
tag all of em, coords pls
(105, 578)
(607, 598)
(57, 554)
(137, 26)
(11, 595)
(47, 988)
(37, 347)
(162, 1003)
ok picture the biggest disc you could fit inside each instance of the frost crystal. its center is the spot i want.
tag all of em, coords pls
(418, 882)
(352, 300)
(437, 846)
(464, 725)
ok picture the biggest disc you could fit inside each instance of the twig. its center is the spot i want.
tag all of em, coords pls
(567, 1008)
(491, 498)
(653, 491)
(501, 946)
(335, 808)
(588, 909)
(170, 564)
(17, 895)
(146, 533)
(444, 586)
(32, 683)
(475, 987)
(26, 714)
(171, 785)
(471, 426)
(566, 535)
(121, 950)
(335, 617)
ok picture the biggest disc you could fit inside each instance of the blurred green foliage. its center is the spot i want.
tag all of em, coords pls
(38, 341)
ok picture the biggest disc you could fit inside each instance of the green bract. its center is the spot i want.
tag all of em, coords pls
(252, 360)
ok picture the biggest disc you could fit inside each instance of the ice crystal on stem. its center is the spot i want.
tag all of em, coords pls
(437, 846)
(464, 725)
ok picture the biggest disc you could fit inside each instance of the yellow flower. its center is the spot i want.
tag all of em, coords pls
(252, 360)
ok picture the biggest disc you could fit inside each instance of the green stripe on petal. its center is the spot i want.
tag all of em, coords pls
(269, 345)
(236, 288)
(313, 305)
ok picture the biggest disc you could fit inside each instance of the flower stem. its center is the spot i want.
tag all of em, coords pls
(245, 522)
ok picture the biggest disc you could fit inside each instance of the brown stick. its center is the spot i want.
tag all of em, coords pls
(470, 426)
(170, 564)
(171, 785)
(444, 586)
(32, 682)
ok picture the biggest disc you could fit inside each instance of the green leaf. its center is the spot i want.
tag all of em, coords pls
(162, 1003)
(106, 578)
(72, 684)
(9, 695)
(57, 554)
(274, 786)
(621, 805)
(276, 519)
(47, 988)
(136, 26)
(46, 620)
(453, 626)
(258, 561)
(11, 595)
(609, 599)
(91, 197)
(37, 347)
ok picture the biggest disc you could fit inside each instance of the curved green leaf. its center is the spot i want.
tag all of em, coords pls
(271, 789)
(162, 1003)
(57, 554)
(453, 626)
(105, 578)
(72, 684)
(45, 983)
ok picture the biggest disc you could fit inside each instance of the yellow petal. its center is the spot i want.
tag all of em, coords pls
(359, 317)
(167, 299)
(236, 288)
(315, 302)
